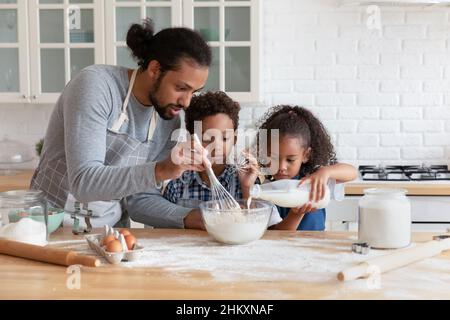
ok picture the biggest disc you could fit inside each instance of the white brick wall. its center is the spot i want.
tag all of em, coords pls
(388, 93)
(384, 97)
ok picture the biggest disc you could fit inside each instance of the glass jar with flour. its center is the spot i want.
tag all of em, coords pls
(384, 218)
(24, 216)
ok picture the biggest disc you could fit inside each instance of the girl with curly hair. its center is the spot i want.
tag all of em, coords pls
(305, 153)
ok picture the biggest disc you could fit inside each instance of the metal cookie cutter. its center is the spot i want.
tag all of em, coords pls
(441, 237)
(361, 248)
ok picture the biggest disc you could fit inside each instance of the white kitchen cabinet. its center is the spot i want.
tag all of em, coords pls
(39, 55)
(65, 36)
(120, 14)
(230, 27)
(14, 64)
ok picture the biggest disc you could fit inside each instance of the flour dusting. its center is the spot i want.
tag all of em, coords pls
(287, 259)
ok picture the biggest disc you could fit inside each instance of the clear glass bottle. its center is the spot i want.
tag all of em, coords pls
(384, 218)
(287, 193)
(24, 216)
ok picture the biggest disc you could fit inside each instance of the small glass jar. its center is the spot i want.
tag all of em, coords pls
(384, 218)
(24, 216)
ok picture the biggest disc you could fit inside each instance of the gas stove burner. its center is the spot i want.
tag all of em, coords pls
(444, 175)
(386, 176)
(441, 168)
(404, 173)
(397, 176)
(435, 175)
(422, 176)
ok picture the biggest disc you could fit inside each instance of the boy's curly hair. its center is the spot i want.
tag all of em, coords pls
(209, 104)
(299, 122)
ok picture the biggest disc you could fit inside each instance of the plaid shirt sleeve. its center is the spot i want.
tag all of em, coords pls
(173, 190)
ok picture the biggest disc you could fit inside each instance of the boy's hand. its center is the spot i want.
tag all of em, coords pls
(306, 208)
(194, 220)
(318, 181)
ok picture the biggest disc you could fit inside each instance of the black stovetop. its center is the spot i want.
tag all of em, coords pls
(405, 173)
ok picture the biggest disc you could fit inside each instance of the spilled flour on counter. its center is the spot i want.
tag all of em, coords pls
(259, 260)
(287, 259)
(292, 259)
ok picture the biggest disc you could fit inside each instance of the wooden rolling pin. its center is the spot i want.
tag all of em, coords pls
(46, 254)
(396, 260)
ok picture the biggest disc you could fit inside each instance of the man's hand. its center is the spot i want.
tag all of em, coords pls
(183, 157)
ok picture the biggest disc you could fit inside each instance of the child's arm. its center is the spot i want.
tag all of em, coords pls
(341, 172)
(293, 219)
(193, 220)
(248, 175)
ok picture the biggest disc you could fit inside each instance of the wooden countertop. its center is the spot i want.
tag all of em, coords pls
(441, 188)
(19, 181)
(356, 188)
(24, 279)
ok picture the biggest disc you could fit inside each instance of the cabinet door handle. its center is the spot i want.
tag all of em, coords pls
(34, 97)
(24, 96)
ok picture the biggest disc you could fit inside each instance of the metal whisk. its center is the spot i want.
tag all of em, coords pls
(225, 200)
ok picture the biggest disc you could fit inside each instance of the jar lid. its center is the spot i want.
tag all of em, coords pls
(385, 191)
(21, 196)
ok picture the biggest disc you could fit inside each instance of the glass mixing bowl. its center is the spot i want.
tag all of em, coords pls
(12, 155)
(236, 226)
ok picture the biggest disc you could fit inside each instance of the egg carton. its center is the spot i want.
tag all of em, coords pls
(94, 242)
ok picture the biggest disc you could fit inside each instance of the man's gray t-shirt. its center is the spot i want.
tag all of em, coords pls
(88, 106)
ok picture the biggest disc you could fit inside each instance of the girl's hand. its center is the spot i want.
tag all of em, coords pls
(306, 208)
(318, 181)
(249, 172)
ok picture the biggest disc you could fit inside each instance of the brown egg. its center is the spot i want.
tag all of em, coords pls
(131, 241)
(114, 246)
(125, 232)
(108, 239)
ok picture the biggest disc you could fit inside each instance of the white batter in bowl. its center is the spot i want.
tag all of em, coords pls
(236, 226)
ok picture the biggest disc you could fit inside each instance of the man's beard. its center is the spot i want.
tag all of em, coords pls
(162, 110)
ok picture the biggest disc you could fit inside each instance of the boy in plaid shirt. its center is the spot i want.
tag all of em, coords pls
(219, 117)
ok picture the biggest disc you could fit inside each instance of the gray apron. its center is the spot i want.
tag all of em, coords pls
(121, 150)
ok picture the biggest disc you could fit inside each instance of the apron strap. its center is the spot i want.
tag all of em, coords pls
(153, 124)
(123, 115)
